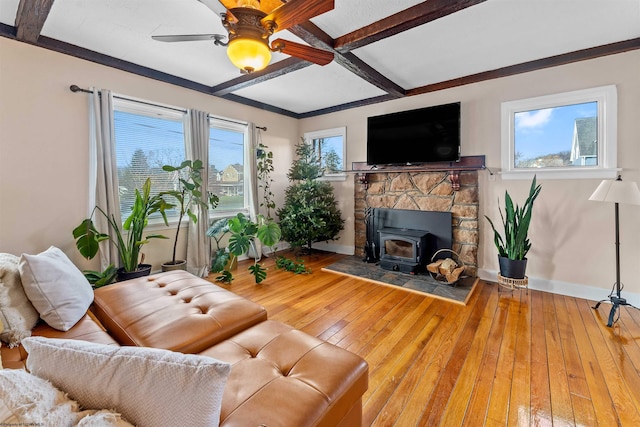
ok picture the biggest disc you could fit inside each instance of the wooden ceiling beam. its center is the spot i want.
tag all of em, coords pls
(315, 37)
(538, 64)
(274, 70)
(30, 19)
(402, 21)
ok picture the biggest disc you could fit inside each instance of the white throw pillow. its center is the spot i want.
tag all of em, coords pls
(148, 386)
(28, 400)
(55, 287)
(17, 315)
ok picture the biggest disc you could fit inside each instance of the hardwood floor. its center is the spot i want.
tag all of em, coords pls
(505, 358)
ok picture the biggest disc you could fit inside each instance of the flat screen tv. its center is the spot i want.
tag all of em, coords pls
(424, 135)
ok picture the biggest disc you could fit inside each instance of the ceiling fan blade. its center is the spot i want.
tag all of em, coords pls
(188, 37)
(296, 12)
(308, 53)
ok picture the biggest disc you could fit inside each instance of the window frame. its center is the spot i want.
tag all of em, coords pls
(606, 98)
(329, 133)
(235, 126)
(146, 108)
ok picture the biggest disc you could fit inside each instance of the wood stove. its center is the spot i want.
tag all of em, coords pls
(404, 250)
(405, 240)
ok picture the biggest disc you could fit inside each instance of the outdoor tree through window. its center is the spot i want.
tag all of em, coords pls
(148, 137)
(330, 145)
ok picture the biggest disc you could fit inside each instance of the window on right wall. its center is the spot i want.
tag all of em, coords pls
(561, 136)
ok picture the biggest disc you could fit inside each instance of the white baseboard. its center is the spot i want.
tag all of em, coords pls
(566, 288)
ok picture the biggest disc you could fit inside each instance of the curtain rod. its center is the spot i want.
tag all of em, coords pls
(75, 88)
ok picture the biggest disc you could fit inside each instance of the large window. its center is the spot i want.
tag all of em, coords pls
(331, 146)
(227, 148)
(148, 137)
(566, 135)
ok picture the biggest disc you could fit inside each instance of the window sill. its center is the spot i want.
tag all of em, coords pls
(561, 174)
(336, 177)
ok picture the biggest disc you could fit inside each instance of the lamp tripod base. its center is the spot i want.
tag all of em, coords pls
(616, 303)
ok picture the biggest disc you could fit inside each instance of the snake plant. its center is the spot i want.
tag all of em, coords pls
(515, 221)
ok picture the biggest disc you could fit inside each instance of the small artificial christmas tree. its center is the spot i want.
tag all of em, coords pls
(309, 213)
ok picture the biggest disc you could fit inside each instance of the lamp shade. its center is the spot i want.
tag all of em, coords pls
(617, 191)
(249, 54)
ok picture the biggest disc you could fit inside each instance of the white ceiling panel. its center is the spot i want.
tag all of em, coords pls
(499, 33)
(312, 88)
(8, 9)
(349, 15)
(123, 29)
(484, 37)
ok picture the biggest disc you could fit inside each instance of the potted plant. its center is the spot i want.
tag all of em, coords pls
(514, 245)
(222, 261)
(264, 166)
(88, 238)
(187, 193)
(243, 234)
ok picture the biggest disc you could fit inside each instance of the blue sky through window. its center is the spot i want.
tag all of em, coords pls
(548, 131)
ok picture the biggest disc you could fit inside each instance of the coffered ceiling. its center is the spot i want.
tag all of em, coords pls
(382, 49)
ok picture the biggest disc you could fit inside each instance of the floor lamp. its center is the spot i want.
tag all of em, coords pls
(616, 191)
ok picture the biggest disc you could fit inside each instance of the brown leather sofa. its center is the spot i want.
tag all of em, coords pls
(279, 377)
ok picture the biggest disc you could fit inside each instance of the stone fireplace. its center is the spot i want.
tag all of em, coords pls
(424, 191)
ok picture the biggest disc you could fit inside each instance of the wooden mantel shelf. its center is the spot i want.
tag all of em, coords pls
(466, 163)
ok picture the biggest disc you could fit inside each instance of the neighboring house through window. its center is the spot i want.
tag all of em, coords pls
(566, 135)
(148, 137)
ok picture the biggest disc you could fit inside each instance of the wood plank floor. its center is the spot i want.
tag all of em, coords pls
(517, 359)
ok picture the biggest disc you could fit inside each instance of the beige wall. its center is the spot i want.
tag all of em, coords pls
(44, 143)
(572, 238)
(43, 162)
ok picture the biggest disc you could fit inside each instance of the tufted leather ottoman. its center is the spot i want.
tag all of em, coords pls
(174, 310)
(283, 377)
(279, 376)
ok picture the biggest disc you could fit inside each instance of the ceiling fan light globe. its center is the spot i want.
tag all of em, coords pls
(248, 54)
(253, 4)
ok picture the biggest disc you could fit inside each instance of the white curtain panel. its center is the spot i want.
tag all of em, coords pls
(103, 172)
(198, 245)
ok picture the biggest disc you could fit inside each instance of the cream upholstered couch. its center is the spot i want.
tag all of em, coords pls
(277, 375)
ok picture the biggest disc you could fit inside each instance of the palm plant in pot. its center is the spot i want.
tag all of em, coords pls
(514, 245)
(128, 237)
(187, 193)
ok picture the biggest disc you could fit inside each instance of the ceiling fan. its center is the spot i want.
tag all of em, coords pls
(250, 23)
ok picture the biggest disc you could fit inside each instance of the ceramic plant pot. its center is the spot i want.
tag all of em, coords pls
(512, 268)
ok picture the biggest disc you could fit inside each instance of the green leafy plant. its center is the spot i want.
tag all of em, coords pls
(128, 244)
(515, 221)
(220, 256)
(264, 166)
(101, 278)
(187, 194)
(310, 213)
(225, 276)
(296, 266)
(244, 232)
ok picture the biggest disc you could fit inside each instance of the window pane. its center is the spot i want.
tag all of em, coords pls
(144, 143)
(557, 137)
(226, 166)
(330, 151)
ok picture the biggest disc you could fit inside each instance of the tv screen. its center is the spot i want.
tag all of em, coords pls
(425, 135)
